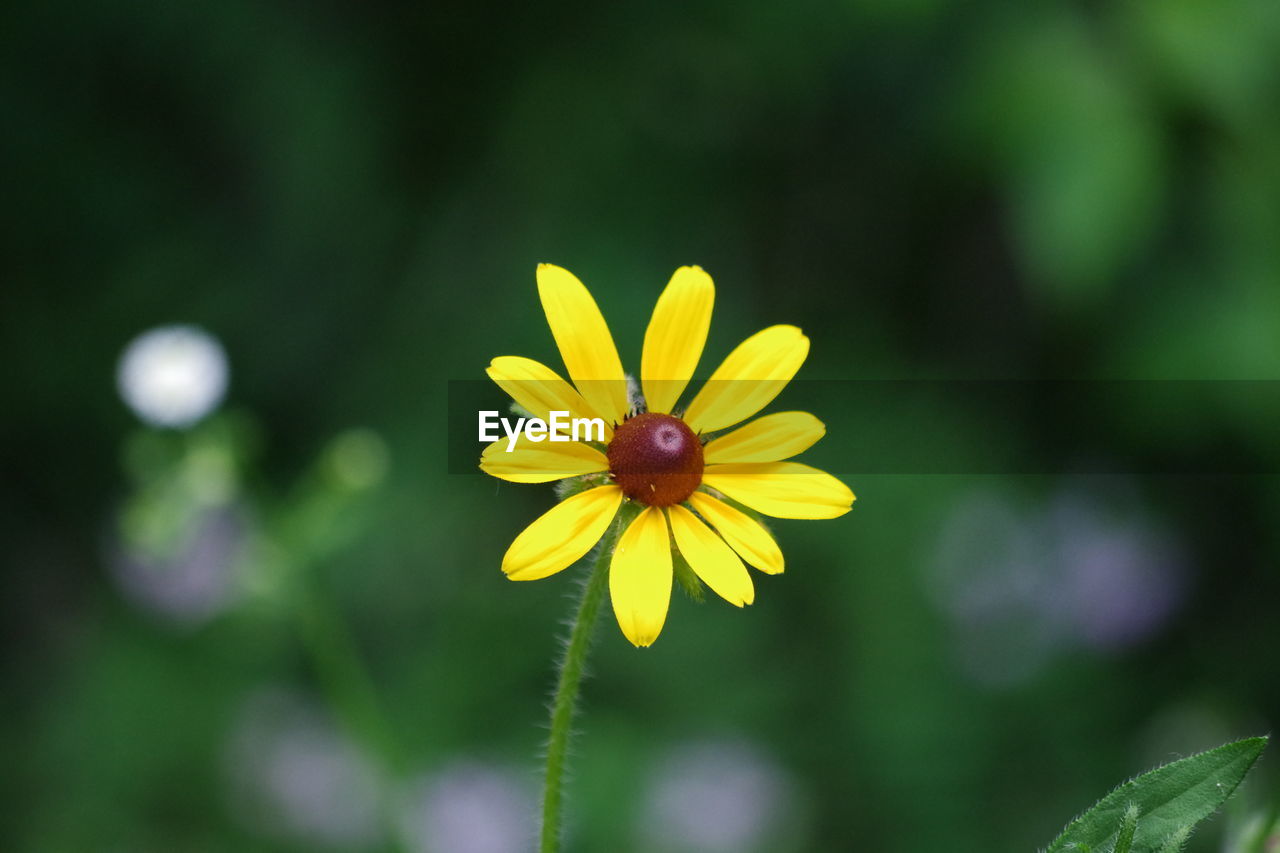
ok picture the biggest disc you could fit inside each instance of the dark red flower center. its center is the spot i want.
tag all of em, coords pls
(656, 459)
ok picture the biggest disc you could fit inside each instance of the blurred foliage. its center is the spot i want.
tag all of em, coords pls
(352, 198)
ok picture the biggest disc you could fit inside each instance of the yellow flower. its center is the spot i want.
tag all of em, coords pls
(663, 460)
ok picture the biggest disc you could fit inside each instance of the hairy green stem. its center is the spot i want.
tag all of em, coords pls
(1128, 828)
(566, 697)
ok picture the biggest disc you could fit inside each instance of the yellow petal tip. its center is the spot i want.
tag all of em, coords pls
(519, 574)
(640, 642)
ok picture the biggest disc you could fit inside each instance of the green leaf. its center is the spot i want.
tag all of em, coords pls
(1170, 801)
(689, 582)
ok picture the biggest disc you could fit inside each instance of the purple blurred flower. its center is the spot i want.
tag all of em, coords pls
(717, 796)
(195, 579)
(1019, 585)
(294, 775)
(470, 807)
(1119, 578)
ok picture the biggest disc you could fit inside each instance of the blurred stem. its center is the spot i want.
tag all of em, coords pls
(343, 674)
(566, 697)
(1270, 825)
(348, 685)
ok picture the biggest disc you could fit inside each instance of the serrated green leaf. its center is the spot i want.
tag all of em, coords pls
(1171, 799)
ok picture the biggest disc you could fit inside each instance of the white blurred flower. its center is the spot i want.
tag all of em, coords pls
(470, 807)
(173, 376)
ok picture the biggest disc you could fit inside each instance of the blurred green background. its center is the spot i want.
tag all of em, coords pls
(283, 625)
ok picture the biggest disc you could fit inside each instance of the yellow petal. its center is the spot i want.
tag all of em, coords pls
(743, 533)
(562, 535)
(748, 379)
(782, 489)
(539, 389)
(769, 439)
(584, 341)
(540, 461)
(711, 559)
(676, 335)
(640, 577)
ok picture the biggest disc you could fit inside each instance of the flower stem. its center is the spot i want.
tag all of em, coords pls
(566, 697)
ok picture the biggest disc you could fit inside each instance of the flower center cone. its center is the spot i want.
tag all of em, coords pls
(656, 459)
